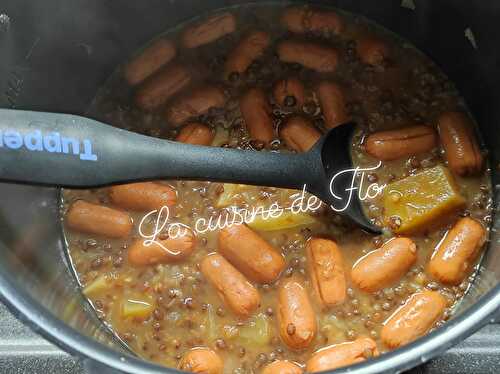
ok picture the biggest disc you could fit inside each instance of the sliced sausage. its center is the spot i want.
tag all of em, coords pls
(160, 87)
(326, 269)
(194, 104)
(311, 55)
(99, 220)
(372, 51)
(460, 144)
(333, 105)
(232, 286)
(297, 321)
(301, 20)
(250, 48)
(413, 319)
(257, 114)
(162, 251)
(143, 196)
(455, 255)
(299, 133)
(202, 361)
(149, 61)
(396, 144)
(250, 253)
(208, 31)
(289, 92)
(343, 354)
(384, 266)
(282, 367)
(196, 133)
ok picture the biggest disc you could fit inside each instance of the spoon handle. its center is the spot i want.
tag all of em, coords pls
(73, 151)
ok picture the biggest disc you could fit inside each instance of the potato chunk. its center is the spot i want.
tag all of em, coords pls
(140, 309)
(421, 201)
(286, 220)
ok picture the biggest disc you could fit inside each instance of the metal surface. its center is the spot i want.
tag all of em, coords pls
(23, 351)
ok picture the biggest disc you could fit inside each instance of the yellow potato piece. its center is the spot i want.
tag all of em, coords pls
(286, 220)
(98, 285)
(230, 195)
(257, 331)
(137, 309)
(422, 200)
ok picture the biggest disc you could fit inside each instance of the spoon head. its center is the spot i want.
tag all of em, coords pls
(336, 182)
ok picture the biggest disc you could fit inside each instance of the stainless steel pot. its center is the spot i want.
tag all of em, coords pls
(56, 54)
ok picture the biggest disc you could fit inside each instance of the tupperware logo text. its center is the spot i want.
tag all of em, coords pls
(53, 142)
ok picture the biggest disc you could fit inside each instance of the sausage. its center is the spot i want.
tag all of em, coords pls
(232, 286)
(311, 55)
(460, 144)
(343, 354)
(250, 48)
(160, 87)
(162, 251)
(196, 133)
(413, 319)
(142, 196)
(333, 106)
(99, 220)
(299, 133)
(396, 144)
(257, 114)
(282, 367)
(384, 266)
(250, 254)
(455, 255)
(150, 60)
(208, 31)
(326, 269)
(372, 51)
(289, 92)
(301, 20)
(297, 321)
(194, 104)
(201, 360)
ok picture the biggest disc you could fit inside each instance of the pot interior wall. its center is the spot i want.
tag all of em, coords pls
(57, 53)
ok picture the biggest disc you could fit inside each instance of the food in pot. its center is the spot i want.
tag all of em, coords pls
(342, 354)
(257, 115)
(372, 50)
(250, 48)
(457, 252)
(459, 143)
(197, 102)
(162, 86)
(289, 92)
(142, 196)
(332, 101)
(312, 55)
(299, 133)
(196, 133)
(397, 144)
(228, 278)
(149, 61)
(383, 266)
(412, 320)
(303, 20)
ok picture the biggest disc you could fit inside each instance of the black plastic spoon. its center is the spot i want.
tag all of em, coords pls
(73, 151)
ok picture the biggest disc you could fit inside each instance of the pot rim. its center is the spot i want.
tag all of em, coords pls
(41, 321)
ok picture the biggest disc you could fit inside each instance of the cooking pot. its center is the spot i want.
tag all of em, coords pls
(55, 54)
